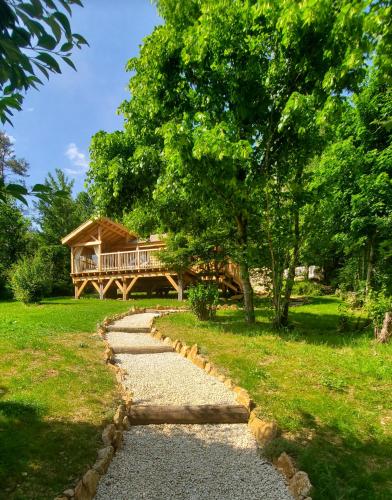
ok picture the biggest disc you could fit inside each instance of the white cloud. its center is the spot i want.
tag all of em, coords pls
(11, 138)
(29, 110)
(71, 171)
(77, 159)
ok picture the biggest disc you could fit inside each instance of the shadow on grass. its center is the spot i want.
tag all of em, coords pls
(340, 465)
(312, 322)
(38, 458)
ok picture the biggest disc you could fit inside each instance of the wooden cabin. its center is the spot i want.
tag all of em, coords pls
(113, 260)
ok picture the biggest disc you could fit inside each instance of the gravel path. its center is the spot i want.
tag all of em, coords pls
(191, 462)
(141, 320)
(131, 339)
(182, 462)
(171, 379)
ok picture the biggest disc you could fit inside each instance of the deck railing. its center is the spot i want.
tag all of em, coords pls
(134, 260)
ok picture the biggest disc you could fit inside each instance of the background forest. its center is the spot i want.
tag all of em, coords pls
(265, 133)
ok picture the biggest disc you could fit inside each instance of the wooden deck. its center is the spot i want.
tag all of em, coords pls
(108, 258)
(128, 269)
(114, 262)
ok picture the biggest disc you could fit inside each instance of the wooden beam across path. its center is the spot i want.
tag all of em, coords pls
(128, 329)
(146, 349)
(200, 414)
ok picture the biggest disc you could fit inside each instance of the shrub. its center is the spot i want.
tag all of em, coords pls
(377, 304)
(203, 300)
(30, 279)
(307, 288)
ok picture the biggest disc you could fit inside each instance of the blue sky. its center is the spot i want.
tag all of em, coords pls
(56, 124)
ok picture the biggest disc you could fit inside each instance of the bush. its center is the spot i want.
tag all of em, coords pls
(30, 279)
(307, 288)
(203, 300)
(377, 304)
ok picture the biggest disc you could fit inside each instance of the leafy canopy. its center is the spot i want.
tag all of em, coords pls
(34, 36)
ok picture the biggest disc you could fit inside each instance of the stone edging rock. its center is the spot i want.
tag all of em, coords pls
(112, 434)
(264, 431)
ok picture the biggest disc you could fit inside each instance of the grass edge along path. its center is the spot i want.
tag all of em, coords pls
(56, 393)
(329, 391)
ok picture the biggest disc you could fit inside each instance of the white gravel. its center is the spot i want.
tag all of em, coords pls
(131, 339)
(168, 378)
(182, 462)
(142, 320)
(190, 462)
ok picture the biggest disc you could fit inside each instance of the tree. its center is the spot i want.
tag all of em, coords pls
(228, 100)
(56, 217)
(353, 190)
(13, 239)
(34, 35)
(8, 160)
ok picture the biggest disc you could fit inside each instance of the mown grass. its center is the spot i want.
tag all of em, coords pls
(55, 392)
(329, 391)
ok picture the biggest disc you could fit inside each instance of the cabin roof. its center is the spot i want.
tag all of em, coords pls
(109, 230)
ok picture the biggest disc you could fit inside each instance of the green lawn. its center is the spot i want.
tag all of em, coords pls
(330, 392)
(55, 392)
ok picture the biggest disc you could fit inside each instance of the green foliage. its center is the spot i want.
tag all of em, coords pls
(203, 299)
(307, 288)
(31, 279)
(350, 219)
(57, 216)
(377, 304)
(228, 108)
(10, 164)
(343, 396)
(43, 372)
(13, 239)
(8, 160)
(34, 36)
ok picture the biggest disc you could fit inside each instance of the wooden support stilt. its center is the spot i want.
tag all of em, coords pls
(124, 289)
(79, 289)
(229, 285)
(131, 284)
(172, 282)
(120, 287)
(97, 287)
(106, 287)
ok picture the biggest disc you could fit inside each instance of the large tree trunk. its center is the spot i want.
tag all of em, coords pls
(384, 335)
(244, 269)
(277, 270)
(284, 318)
(369, 272)
(180, 286)
(277, 282)
(248, 293)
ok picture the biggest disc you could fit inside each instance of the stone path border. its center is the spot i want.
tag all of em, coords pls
(112, 436)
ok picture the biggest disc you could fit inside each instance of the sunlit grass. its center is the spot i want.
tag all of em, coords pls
(55, 392)
(329, 391)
